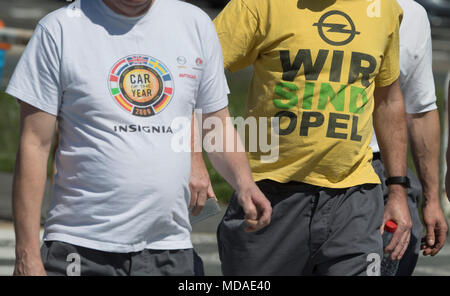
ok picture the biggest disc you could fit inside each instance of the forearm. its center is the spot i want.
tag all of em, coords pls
(424, 134)
(232, 165)
(447, 156)
(390, 127)
(37, 130)
(28, 189)
(228, 157)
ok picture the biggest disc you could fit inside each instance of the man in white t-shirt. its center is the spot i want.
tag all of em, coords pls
(417, 85)
(114, 76)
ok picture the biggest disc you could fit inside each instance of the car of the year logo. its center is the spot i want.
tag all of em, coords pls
(141, 85)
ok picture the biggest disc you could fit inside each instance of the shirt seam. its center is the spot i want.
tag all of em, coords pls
(258, 29)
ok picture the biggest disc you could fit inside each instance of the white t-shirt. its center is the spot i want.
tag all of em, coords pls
(416, 74)
(116, 84)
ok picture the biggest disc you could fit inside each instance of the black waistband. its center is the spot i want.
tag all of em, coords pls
(376, 156)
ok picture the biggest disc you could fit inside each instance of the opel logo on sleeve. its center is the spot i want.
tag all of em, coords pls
(339, 27)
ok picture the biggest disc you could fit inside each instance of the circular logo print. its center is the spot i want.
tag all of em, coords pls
(142, 85)
(199, 62)
(181, 60)
(341, 29)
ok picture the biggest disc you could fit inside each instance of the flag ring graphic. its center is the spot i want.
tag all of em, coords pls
(141, 85)
(336, 28)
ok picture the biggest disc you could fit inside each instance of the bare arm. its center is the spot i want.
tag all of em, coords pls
(390, 128)
(37, 128)
(424, 134)
(447, 175)
(199, 182)
(234, 167)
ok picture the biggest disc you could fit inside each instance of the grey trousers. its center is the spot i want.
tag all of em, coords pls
(409, 260)
(314, 231)
(64, 259)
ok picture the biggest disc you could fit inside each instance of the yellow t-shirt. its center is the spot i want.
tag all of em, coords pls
(316, 65)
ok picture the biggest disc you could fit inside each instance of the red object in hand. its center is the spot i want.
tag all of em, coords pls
(390, 226)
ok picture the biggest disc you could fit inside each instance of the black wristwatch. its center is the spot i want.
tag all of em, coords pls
(403, 180)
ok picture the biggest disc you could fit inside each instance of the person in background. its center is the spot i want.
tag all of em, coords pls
(417, 85)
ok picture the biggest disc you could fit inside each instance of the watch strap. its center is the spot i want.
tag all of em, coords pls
(400, 180)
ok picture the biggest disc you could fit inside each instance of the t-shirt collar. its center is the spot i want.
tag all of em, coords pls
(124, 18)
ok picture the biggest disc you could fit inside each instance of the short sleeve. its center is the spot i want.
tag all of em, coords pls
(36, 79)
(418, 83)
(237, 27)
(213, 89)
(390, 65)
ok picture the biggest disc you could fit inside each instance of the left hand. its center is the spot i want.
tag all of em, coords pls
(436, 227)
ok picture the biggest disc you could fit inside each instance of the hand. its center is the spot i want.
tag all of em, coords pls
(29, 267)
(436, 227)
(256, 207)
(199, 184)
(397, 210)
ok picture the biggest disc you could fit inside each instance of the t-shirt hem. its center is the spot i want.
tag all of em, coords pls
(285, 179)
(427, 108)
(214, 107)
(31, 101)
(118, 247)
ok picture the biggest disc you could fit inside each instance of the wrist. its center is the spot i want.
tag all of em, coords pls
(244, 183)
(398, 180)
(397, 190)
(26, 251)
(431, 196)
(434, 201)
(27, 255)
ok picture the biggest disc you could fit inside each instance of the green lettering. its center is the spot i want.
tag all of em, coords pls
(308, 95)
(286, 95)
(355, 94)
(337, 100)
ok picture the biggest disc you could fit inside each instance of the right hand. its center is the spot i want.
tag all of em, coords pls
(397, 210)
(199, 184)
(29, 267)
(257, 207)
(436, 227)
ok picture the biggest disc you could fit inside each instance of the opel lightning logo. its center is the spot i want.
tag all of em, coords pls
(333, 27)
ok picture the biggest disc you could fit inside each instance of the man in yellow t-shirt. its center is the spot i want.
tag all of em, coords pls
(327, 70)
